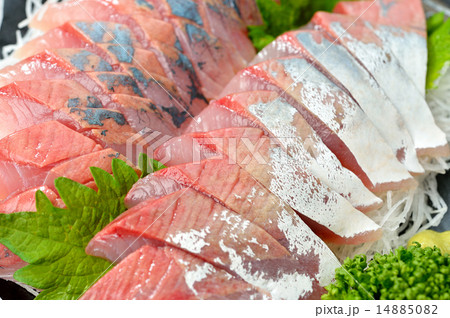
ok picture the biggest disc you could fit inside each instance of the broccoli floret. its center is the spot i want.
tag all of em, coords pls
(414, 274)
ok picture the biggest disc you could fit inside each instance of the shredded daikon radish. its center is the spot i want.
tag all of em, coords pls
(31, 8)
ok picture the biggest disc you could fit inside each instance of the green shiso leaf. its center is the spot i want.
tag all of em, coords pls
(438, 49)
(53, 240)
(285, 16)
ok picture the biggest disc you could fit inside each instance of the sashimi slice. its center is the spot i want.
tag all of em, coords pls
(17, 113)
(117, 83)
(68, 93)
(335, 117)
(26, 201)
(238, 191)
(143, 22)
(340, 66)
(165, 95)
(26, 146)
(226, 24)
(57, 94)
(154, 186)
(148, 73)
(397, 13)
(127, 54)
(122, 45)
(84, 60)
(20, 110)
(401, 25)
(191, 22)
(39, 66)
(368, 48)
(143, 113)
(105, 39)
(49, 65)
(281, 121)
(78, 169)
(198, 225)
(65, 36)
(132, 34)
(168, 274)
(207, 53)
(55, 14)
(247, 10)
(282, 175)
(9, 263)
(27, 155)
(139, 113)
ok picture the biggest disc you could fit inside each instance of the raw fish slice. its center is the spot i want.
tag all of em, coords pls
(400, 25)
(247, 10)
(181, 71)
(341, 67)
(27, 155)
(139, 17)
(55, 14)
(176, 64)
(57, 94)
(281, 174)
(49, 66)
(335, 117)
(139, 113)
(20, 110)
(281, 121)
(139, 58)
(191, 20)
(396, 13)
(381, 62)
(153, 86)
(9, 263)
(41, 66)
(217, 21)
(166, 273)
(109, 32)
(238, 191)
(25, 146)
(83, 60)
(207, 53)
(141, 64)
(68, 35)
(226, 24)
(100, 71)
(117, 83)
(78, 169)
(226, 182)
(107, 127)
(143, 113)
(198, 225)
(154, 186)
(164, 94)
(26, 201)
(19, 113)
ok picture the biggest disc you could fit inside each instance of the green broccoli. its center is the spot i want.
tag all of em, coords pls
(415, 274)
